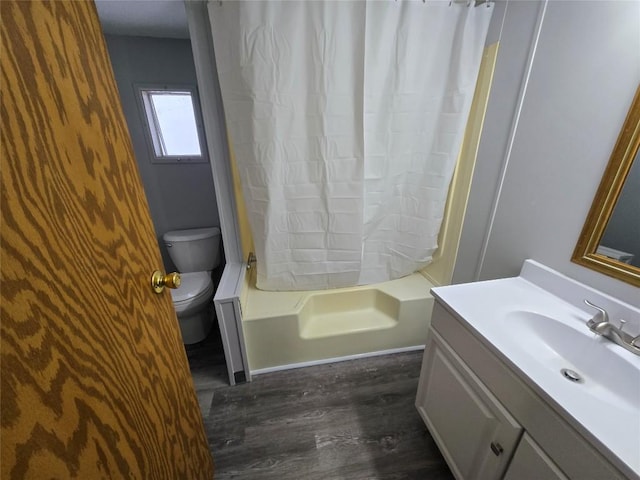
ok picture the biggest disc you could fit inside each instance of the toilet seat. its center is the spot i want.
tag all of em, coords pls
(195, 289)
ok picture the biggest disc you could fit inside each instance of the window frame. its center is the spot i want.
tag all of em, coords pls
(151, 135)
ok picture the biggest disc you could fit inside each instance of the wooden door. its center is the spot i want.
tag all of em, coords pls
(95, 381)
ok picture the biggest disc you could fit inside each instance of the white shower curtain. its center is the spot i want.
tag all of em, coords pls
(346, 119)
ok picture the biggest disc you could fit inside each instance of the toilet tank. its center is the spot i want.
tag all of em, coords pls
(194, 250)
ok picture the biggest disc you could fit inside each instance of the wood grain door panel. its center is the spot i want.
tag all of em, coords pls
(95, 381)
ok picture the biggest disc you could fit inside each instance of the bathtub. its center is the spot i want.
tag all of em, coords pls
(295, 329)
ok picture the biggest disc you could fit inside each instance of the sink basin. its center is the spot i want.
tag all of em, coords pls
(606, 372)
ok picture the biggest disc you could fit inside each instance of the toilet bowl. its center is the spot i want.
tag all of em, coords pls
(195, 253)
(192, 302)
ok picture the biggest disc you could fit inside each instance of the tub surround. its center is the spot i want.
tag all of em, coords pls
(294, 329)
(507, 341)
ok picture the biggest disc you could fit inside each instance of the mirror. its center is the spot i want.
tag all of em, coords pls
(610, 239)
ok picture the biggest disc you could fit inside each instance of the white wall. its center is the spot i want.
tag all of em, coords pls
(584, 71)
(179, 195)
(516, 32)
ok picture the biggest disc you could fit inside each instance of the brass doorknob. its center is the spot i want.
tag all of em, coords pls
(159, 280)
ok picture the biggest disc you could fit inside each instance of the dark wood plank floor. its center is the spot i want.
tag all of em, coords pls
(347, 420)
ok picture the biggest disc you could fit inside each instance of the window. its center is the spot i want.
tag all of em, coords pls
(173, 125)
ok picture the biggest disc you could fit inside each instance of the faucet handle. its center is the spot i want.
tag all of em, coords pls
(601, 316)
(622, 324)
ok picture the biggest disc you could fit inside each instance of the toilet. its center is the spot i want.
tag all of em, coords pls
(195, 252)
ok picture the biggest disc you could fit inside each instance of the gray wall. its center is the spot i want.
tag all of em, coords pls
(179, 195)
(544, 150)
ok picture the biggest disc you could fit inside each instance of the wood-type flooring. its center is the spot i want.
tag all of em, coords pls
(347, 420)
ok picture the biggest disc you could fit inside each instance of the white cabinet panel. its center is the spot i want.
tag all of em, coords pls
(475, 433)
(531, 463)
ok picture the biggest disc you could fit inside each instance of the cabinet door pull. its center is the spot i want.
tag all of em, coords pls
(496, 448)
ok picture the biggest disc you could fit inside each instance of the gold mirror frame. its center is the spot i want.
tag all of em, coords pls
(605, 200)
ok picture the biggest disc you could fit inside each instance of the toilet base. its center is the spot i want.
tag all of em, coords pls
(196, 327)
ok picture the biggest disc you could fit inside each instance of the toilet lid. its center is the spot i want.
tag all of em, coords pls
(193, 286)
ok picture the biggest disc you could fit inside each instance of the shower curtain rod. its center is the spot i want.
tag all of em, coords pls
(477, 3)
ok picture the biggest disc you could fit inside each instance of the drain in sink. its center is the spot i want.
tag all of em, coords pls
(571, 375)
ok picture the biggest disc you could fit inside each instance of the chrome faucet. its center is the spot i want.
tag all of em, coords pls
(601, 325)
(600, 318)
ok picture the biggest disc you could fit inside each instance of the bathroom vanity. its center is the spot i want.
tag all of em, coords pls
(514, 385)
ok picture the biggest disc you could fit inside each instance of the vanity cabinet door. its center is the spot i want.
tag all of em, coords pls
(531, 463)
(474, 432)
